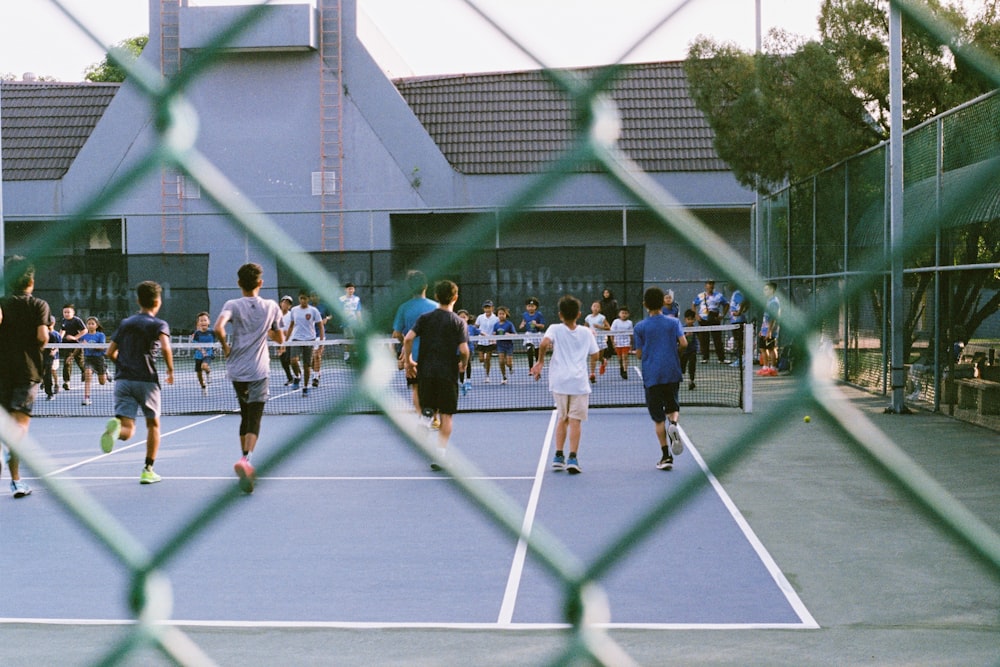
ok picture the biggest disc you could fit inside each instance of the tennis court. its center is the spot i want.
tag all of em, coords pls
(856, 537)
(356, 549)
(378, 538)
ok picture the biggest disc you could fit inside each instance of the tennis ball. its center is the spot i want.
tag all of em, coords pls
(807, 419)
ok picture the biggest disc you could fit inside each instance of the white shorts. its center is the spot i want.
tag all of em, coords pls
(571, 406)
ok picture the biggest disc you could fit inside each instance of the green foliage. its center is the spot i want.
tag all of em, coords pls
(109, 70)
(801, 106)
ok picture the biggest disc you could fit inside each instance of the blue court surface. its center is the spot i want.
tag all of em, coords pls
(355, 530)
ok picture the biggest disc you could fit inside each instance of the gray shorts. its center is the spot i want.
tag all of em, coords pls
(254, 391)
(132, 396)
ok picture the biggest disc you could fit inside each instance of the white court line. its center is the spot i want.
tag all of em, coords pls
(521, 551)
(376, 625)
(776, 574)
(128, 446)
(312, 478)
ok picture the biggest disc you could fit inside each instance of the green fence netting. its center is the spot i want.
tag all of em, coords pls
(823, 240)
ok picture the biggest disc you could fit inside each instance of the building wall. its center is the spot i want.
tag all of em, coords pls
(254, 116)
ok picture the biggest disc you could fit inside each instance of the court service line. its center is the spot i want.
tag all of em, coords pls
(765, 557)
(521, 551)
(130, 446)
(311, 478)
(397, 625)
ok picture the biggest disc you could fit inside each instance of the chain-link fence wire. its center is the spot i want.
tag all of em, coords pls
(820, 302)
(951, 286)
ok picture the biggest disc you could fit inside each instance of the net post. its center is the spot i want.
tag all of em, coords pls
(748, 342)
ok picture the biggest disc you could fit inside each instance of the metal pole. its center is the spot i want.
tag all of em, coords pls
(755, 229)
(898, 372)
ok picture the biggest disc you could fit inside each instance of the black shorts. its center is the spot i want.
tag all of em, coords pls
(661, 400)
(19, 398)
(438, 394)
(96, 363)
(765, 343)
(482, 348)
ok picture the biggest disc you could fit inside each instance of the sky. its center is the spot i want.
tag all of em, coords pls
(423, 37)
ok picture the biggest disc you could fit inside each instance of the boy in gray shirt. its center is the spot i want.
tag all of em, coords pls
(253, 320)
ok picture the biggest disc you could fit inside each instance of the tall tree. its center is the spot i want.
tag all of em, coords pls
(801, 106)
(108, 71)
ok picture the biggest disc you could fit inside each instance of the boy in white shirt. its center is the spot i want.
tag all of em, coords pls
(621, 330)
(486, 323)
(597, 322)
(306, 319)
(572, 347)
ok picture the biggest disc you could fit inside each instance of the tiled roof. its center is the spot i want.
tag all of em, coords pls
(518, 122)
(46, 124)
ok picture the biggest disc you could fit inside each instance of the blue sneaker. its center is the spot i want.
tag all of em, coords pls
(20, 489)
(463, 388)
(559, 462)
(573, 466)
(295, 383)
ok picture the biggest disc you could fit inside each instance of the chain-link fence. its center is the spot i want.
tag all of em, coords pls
(824, 240)
(823, 233)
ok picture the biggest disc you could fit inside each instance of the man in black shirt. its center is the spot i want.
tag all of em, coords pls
(24, 331)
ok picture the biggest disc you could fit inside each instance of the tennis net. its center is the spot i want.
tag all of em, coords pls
(715, 384)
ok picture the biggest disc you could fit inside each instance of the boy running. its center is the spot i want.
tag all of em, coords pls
(532, 322)
(621, 330)
(598, 322)
(70, 329)
(248, 360)
(203, 355)
(505, 346)
(441, 333)
(24, 331)
(486, 323)
(307, 325)
(134, 346)
(572, 348)
(659, 340)
(93, 357)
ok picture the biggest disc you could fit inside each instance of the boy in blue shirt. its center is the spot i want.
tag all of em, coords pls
(532, 322)
(505, 347)
(93, 357)
(659, 341)
(406, 316)
(203, 355)
(738, 306)
(134, 347)
(465, 377)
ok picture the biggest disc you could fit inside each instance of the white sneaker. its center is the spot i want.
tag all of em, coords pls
(674, 436)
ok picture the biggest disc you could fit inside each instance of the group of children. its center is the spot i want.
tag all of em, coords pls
(490, 323)
(89, 358)
(659, 342)
(497, 323)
